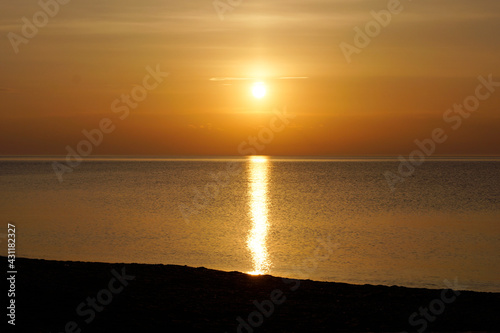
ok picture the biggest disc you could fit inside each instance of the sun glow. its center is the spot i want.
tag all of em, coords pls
(259, 90)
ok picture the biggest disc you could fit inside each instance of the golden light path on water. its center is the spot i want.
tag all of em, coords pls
(256, 241)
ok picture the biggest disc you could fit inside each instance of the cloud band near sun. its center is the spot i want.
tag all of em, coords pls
(254, 78)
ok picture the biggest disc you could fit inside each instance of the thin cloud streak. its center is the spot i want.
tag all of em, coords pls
(256, 78)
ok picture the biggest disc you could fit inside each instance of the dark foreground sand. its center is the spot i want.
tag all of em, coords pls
(54, 296)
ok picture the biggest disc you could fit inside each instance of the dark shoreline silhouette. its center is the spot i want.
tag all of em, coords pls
(57, 296)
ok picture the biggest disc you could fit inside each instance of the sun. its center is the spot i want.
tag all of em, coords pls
(259, 90)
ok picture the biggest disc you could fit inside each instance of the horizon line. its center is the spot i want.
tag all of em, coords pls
(304, 157)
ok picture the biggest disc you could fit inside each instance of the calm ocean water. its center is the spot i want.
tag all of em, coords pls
(327, 220)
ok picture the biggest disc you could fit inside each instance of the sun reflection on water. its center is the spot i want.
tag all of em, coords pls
(256, 241)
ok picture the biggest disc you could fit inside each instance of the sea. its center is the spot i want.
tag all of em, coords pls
(355, 220)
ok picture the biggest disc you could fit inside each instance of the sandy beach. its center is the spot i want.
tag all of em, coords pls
(56, 296)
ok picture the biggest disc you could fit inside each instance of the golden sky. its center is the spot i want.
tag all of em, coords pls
(67, 77)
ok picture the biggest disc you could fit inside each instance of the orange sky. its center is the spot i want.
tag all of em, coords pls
(66, 78)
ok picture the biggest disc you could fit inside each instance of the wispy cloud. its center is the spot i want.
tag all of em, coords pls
(293, 77)
(231, 78)
(255, 78)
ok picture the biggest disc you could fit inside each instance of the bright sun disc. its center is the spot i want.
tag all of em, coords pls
(259, 90)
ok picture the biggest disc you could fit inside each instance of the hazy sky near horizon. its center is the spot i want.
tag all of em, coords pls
(66, 77)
